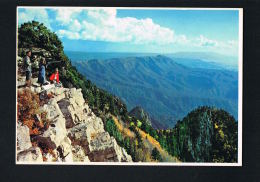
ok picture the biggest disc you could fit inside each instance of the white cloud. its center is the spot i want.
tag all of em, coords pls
(203, 41)
(75, 25)
(181, 39)
(65, 15)
(39, 15)
(104, 25)
(68, 34)
(103, 16)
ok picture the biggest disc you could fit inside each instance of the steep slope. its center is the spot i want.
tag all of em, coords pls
(82, 123)
(165, 89)
(74, 132)
(152, 143)
(140, 114)
(206, 135)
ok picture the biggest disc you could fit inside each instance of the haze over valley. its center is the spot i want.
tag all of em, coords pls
(167, 88)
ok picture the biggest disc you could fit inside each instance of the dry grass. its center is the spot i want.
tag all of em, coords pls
(146, 137)
(150, 139)
(122, 129)
(154, 143)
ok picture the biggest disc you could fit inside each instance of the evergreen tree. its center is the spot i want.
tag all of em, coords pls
(156, 155)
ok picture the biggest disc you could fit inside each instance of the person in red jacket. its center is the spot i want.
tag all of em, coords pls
(55, 78)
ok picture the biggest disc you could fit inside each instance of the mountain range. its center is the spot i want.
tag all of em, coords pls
(166, 89)
(81, 122)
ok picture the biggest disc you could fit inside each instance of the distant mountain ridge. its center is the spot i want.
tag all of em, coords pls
(215, 59)
(80, 117)
(209, 60)
(165, 89)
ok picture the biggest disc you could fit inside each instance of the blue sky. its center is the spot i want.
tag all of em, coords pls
(140, 30)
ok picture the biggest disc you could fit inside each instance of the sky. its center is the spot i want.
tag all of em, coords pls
(140, 30)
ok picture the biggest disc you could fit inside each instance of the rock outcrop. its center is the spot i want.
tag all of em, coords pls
(75, 133)
(140, 114)
(25, 151)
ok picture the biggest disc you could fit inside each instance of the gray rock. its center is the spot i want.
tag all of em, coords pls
(79, 154)
(23, 138)
(32, 154)
(75, 134)
(54, 135)
(105, 148)
(65, 150)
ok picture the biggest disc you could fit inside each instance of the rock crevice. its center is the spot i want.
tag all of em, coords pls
(75, 134)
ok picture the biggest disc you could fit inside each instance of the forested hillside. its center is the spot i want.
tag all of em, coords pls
(165, 89)
(205, 134)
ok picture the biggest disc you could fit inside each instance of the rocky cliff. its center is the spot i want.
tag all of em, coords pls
(75, 133)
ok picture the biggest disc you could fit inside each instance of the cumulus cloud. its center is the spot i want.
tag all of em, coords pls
(181, 39)
(75, 26)
(65, 15)
(104, 25)
(203, 41)
(68, 34)
(29, 14)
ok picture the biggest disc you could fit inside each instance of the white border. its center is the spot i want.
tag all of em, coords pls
(240, 86)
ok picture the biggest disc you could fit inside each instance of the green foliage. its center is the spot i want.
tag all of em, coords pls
(111, 128)
(156, 155)
(204, 135)
(134, 146)
(138, 80)
(139, 123)
(35, 34)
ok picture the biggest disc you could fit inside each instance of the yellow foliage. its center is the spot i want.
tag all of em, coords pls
(221, 133)
(216, 126)
(156, 144)
(150, 139)
(136, 142)
(122, 129)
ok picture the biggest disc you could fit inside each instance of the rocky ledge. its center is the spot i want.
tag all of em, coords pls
(75, 134)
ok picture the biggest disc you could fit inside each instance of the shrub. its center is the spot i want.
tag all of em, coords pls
(28, 112)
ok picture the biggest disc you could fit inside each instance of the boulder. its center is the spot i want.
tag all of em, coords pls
(48, 87)
(56, 132)
(75, 133)
(23, 138)
(59, 93)
(51, 157)
(65, 150)
(79, 154)
(121, 154)
(78, 136)
(105, 148)
(33, 154)
(52, 109)
(54, 135)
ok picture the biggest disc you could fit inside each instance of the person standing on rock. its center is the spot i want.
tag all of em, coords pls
(41, 75)
(28, 68)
